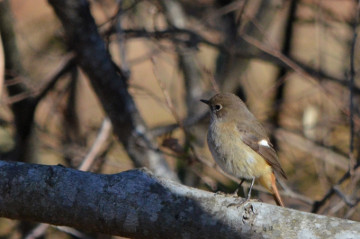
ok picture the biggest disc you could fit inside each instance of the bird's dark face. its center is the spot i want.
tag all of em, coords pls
(222, 104)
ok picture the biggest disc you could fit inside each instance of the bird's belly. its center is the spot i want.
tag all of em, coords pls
(234, 156)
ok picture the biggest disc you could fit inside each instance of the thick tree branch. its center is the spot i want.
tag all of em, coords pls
(137, 204)
(109, 84)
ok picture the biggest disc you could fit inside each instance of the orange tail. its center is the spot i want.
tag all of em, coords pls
(276, 194)
(269, 182)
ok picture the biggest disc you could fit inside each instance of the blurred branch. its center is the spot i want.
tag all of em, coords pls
(38, 231)
(230, 67)
(23, 109)
(187, 56)
(188, 37)
(310, 147)
(318, 204)
(280, 82)
(353, 166)
(121, 40)
(230, 6)
(351, 89)
(64, 68)
(103, 134)
(2, 67)
(109, 84)
(167, 97)
(285, 59)
(186, 123)
(137, 204)
(348, 201)
(21, 97)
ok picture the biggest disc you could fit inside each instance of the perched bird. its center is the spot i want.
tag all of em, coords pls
(239, 144)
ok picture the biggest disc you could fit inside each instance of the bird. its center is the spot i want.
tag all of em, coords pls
(240, 145)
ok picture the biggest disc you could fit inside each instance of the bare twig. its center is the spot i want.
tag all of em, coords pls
(165, 92)
(318, 204)
(37, 231)
(232, 6)
(18, 97)
(103, 134)
(344, 197)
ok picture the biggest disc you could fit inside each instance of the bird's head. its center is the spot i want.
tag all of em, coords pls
(225, 105)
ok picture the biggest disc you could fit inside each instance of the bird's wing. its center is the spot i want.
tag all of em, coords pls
(261, 144)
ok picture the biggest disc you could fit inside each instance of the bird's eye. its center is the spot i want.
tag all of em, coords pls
(218, 107)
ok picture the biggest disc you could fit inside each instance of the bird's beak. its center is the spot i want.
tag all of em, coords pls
(205, 102)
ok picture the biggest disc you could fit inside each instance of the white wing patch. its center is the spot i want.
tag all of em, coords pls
(264, 142)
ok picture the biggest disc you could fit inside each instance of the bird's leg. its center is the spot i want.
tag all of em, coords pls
(237, 189)
(251, 186)
(249, 193)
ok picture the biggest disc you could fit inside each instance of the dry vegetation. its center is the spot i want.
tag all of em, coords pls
(290, 61)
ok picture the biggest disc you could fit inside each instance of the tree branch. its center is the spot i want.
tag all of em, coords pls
(188, 37)
(23, 109)
(109, 84)
(137, 204)
(187, 57)
(277, 104)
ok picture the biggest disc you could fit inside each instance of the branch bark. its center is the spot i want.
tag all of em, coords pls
(109, 84)
(138, 204)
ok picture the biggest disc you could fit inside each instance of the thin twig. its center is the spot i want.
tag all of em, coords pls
(103, 134)
(186, 36)
(318, 204)
(344, 197)
(38, 231)
(167, 96)
(231, 7)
